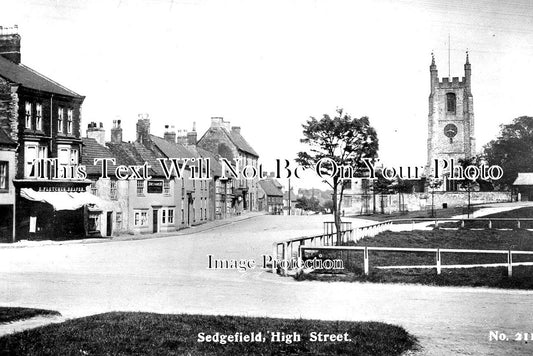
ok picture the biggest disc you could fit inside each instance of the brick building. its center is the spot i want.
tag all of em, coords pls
(270, 197)
(43, 118)
(7, 190)
(227, 142)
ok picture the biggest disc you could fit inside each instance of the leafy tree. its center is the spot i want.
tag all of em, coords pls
(512, 150)
(434, 184)
(344, 140)
(307, 204)
(402, 186)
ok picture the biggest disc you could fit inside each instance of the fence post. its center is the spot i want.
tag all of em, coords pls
(490, 224)
(462, 224)
(518, 220)
(286, 264)
(412, 225)
(300, 259)
(438, 261)
(436, 224)
(274, 257)
(510, 264)
(366, 261)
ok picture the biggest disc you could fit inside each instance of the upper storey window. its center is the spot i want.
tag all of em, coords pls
(28, 116)
(450, 102)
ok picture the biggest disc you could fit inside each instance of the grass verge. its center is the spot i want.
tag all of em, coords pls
(121, 333)
(439, 213)
(453, 239)
(10, 314)
(526, 212)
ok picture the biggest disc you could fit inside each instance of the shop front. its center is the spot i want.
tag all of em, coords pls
(56, 211)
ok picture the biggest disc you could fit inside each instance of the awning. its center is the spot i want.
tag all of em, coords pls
(64, 200)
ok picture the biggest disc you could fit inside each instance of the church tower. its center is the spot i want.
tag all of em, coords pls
(451, 117)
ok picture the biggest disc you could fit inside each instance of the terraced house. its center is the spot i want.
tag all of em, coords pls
(43, 118)
(227, 142)
(141, 205)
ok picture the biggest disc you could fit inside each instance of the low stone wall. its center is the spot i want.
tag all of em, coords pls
(390, 203)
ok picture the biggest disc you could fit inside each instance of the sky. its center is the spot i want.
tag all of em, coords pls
(267, 66)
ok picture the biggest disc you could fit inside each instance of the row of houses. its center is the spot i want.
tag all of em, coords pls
(50, 186)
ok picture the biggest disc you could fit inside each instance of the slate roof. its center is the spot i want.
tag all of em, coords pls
(524, 179)
(92, 150)
(176, 150)
(172, 150)
(5, 140)
(240, 142)
(270, 188)
(27, 77)
(135, 154)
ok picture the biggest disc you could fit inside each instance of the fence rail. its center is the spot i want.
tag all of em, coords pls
(290, 248)
(438, 256)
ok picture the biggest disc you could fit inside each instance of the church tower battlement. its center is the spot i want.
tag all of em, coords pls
(451, 117)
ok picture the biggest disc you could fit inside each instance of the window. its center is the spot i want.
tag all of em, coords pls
(30, 155)
(39, 117)
(60, 113)
(182, 187)
(450, 102)
(27, 115)
(94, 222)
(63, 158)
(140, 187)
(201, 209)
(74, 156)
(163, 216)
(166, 187)
(113, 190)
(140, 218)
(94, 189)
(69, 121)
(171, 216)
(4, 176)
(118, 219)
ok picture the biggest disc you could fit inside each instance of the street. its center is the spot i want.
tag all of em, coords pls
(170, 275)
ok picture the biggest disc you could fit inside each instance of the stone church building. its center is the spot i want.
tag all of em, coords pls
(450, 119)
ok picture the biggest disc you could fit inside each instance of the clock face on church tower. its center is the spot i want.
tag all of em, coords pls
(450, 130)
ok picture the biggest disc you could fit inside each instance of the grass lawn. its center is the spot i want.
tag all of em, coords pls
(162, 334)
(458, 239)
(9, 314)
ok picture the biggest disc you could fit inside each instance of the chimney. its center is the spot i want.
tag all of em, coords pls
(182, 137)
(143, 129)
(170, 134)
(236, 129)
(192, 136)
(226, 125)
(97, 132)
(116, 132)
(216, 121)
(10, 43)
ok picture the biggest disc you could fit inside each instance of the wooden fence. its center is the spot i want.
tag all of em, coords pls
(289, 249)
(438, 256)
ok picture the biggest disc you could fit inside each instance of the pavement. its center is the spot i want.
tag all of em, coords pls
(170, 274)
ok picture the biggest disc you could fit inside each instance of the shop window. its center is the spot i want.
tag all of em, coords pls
(113, 190)
(140, 218)
(140, 187)
(94, 222)
(4, 176)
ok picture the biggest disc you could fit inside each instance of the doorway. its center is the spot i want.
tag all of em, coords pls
(155, 220)
(109, 225)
